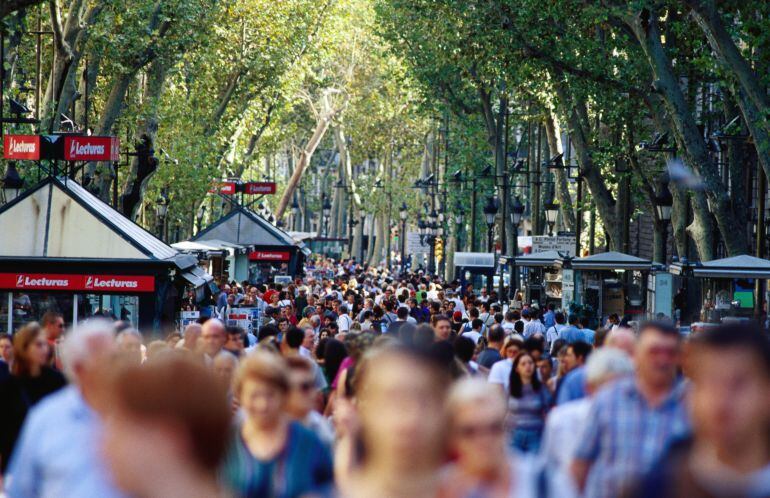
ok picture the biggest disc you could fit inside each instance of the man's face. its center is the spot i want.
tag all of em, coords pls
(55, 329)
(213, 337)
(234, 341)
(443, 330)
(656, 358)
(570, 359)
(302, 394)
(729, 399)
(6, 349)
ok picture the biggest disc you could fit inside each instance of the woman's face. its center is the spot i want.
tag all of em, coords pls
(324, 334)
(526, 367)
(511, 351)
(37, 350)
(262, 402)
(401, 410)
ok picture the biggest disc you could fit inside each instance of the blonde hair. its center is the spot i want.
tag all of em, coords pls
(472, 391)
(263, 366)
(22, 340)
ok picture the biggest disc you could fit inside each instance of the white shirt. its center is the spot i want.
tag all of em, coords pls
(500, 373)
(344, 322)
(559, 442)
(509, 327)
(472, 335)
(459, 304)
(553, 332)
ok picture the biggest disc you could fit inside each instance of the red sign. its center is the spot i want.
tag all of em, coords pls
(269, 256)
(259, 188)
(70, 282)
(91, 148)
(21, 147)
(227, 188)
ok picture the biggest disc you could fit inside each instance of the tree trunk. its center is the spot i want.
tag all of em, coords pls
(324, 120)
(695, 155)
(147, 131)
(562, 186)
(380, 222)
(600, 193)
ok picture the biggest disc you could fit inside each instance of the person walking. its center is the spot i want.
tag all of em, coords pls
(30, 380)
(528, 403)
(634, 420)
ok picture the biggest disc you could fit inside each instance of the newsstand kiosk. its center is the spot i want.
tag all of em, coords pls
(65, 250)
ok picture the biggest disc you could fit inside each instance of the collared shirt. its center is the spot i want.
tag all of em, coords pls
(57, 454)
(572, 334)
(549, 319)
(625, 436)
(533, 327)
(572, 386)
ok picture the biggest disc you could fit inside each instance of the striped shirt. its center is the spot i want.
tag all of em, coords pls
(625, 436)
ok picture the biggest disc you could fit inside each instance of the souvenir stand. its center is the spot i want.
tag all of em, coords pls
(65, 250)
(610, 282)
(542, 278)
(477, 268)
(728, 286)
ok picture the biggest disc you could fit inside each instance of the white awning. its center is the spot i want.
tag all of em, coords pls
(545, 258)
(611, 260)
(475, 259)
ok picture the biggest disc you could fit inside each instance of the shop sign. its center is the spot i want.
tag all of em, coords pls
(564, 244)
(82, 148)
(269, 256)
(416, 244)
(259, 188)
(70, 282)
(21, 147)
(227, 188)
(567, 287)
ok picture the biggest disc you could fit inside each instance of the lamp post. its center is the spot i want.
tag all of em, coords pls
(161, 208)
(490, 212)
(663, 202)
(362, 217)
(294, 213)
(459, 220)
(517, 210)
(403, 214)
(326, 209)
(12, 183)
(200, 215)
(551, 212)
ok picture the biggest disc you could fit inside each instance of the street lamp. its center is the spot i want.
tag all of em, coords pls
(12, 183)
(517, 210)
(161, 208)
(490, 213)
(663, 203)
(362, 217)
(459, 221)
(294, 212)
(551, 212)
(326, 209)
(403, 214)
(200, 215)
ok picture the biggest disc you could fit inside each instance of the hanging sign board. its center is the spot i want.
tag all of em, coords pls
(227, 188)
(564, 244)
(21, 147)
(269, 256)
(70, 282)
(83, 148)
(414, 245)
(259, 188)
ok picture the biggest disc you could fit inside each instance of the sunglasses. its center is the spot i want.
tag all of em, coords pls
(474, 431)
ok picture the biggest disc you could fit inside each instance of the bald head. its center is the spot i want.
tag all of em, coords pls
(623, 339)
(213, 337)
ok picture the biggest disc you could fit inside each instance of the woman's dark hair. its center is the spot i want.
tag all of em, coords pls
(519, 327)
(515, 379)
(333, 353)
(267, 331)
(321, 349)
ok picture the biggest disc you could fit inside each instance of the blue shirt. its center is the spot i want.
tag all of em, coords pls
(625, 436)
(549, 319)
(572, 387)
(572, 334)
(57, 454)
(589, 335)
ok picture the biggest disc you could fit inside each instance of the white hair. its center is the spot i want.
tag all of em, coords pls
(78, 344)
(606, 363)
(474, 391)
(128, 332)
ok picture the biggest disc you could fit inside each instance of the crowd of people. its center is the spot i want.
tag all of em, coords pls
(369, 385)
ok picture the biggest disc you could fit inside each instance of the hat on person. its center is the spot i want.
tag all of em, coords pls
(457, 316)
